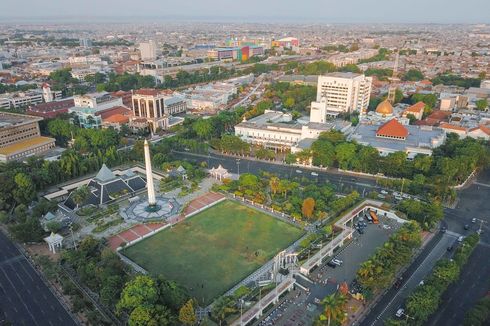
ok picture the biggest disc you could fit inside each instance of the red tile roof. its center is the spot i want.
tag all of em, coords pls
(416, 108)
(452, 127)
(104, 114)
(392, 128)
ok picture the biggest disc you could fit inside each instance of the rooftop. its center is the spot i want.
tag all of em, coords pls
(25, 145)
(8, 120)
(392, 128)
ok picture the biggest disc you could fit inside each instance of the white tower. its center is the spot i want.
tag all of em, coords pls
(47, 94)
(149, 176)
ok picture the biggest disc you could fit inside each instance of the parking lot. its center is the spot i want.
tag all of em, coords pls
(301, 306)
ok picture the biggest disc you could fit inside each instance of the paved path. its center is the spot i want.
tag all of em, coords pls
(24, 297)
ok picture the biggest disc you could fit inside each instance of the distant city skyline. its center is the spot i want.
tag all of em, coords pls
(317, 11)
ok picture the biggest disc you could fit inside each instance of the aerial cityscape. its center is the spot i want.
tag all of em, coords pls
(245, 163)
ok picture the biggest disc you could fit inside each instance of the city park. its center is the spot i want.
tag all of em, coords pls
(224, 245)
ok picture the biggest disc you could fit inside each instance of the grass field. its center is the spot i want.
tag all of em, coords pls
(215, 249)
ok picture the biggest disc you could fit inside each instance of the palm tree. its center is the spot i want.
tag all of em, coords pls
(334, 308)
(80, 195)
(223, 307)
(274, 183)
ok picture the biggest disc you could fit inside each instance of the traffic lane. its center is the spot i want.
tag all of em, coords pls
(460, 297)
(25, 299)
(7, 248)
(439, 251)
(247, 165)
(378, 308)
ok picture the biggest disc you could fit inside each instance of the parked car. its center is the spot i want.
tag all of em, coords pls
(384, 192)
(400, 312)
(473, 220)
(299, 171)
(443, 229)
(331, 264)
(460, 239)
(314, 174)
(466, 227)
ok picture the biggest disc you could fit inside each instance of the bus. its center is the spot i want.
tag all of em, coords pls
(374, 217)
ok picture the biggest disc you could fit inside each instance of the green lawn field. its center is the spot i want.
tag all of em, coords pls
(215, 249)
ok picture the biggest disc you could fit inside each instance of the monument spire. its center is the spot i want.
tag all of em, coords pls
(149, 176)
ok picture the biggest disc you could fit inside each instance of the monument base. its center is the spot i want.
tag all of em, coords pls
(140, 211)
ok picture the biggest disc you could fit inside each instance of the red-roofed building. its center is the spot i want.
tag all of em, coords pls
(51, 109)
(392, 129)
(417, 110)
(126, 97)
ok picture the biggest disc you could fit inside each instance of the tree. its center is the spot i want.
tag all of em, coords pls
(139, 292)
(413, 75)
(308, 207)
(187, 314)
(25, 191)
(80, 195)
(203, 128)
(274, 184)
(289, 103)
(223, 307)
(482, 104)
(333, 308)
(345, 152)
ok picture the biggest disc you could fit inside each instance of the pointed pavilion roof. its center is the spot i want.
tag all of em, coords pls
(105, 174)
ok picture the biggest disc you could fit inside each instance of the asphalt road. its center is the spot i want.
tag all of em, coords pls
(475, 278)
(344, 183)
(473, 203)
(24, 298)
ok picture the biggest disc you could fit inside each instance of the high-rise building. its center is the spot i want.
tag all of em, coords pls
(148, 50)
(341, 92)
(85, 42)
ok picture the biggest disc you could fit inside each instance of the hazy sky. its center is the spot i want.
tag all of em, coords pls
(338, 11)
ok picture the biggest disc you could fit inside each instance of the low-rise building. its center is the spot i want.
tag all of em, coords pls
(392, 136)
(417, 110)
(20, 137)
(51, 109)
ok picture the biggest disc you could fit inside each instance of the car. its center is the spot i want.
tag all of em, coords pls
(443, 229)
(337, 262)
(360, 230)
(406, 196)
(314, 174)
(466, 227)
(299, 171)
(421, 282)
(460, 239)
(331, 264)
(473, 220)
(399, 198)
(353, 179)
(400, 312)
(384, 192)
(450, 248)
(380, 196)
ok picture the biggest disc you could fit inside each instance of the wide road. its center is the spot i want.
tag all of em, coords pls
(473, 203)
(344, 183)
(24, 298)
(474, 281)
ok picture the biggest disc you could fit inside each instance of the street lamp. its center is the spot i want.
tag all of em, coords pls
(241, 312)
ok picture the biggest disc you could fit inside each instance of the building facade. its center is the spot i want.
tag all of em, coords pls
(20, 137)
(343, 92)
(148, 50)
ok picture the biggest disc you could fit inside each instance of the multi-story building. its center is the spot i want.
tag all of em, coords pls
(50, 109)
(236, 53)
(342, 92)
(85, 43)
(287, 42)
(87, 108)
(148, 50)
(20, 137)
(149, 105)
(21, 99)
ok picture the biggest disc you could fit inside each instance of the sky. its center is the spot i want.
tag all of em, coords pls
(318, 11)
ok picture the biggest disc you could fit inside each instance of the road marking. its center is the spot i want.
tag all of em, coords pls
(406, 282)
(482, 184)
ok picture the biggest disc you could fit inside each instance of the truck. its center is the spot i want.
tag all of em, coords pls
(374, 217)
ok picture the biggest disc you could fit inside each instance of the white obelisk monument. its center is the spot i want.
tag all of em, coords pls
(149, 176)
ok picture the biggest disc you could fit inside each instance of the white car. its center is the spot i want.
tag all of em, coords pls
(460, 239)
(473, 220)
(384, 192)
(299, 171)
(400, 312)
(314, 174)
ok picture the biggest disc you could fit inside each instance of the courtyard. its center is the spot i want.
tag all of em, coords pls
(215, 249)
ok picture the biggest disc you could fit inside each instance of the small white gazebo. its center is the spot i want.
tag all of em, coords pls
(219, 173)
(54, 241)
